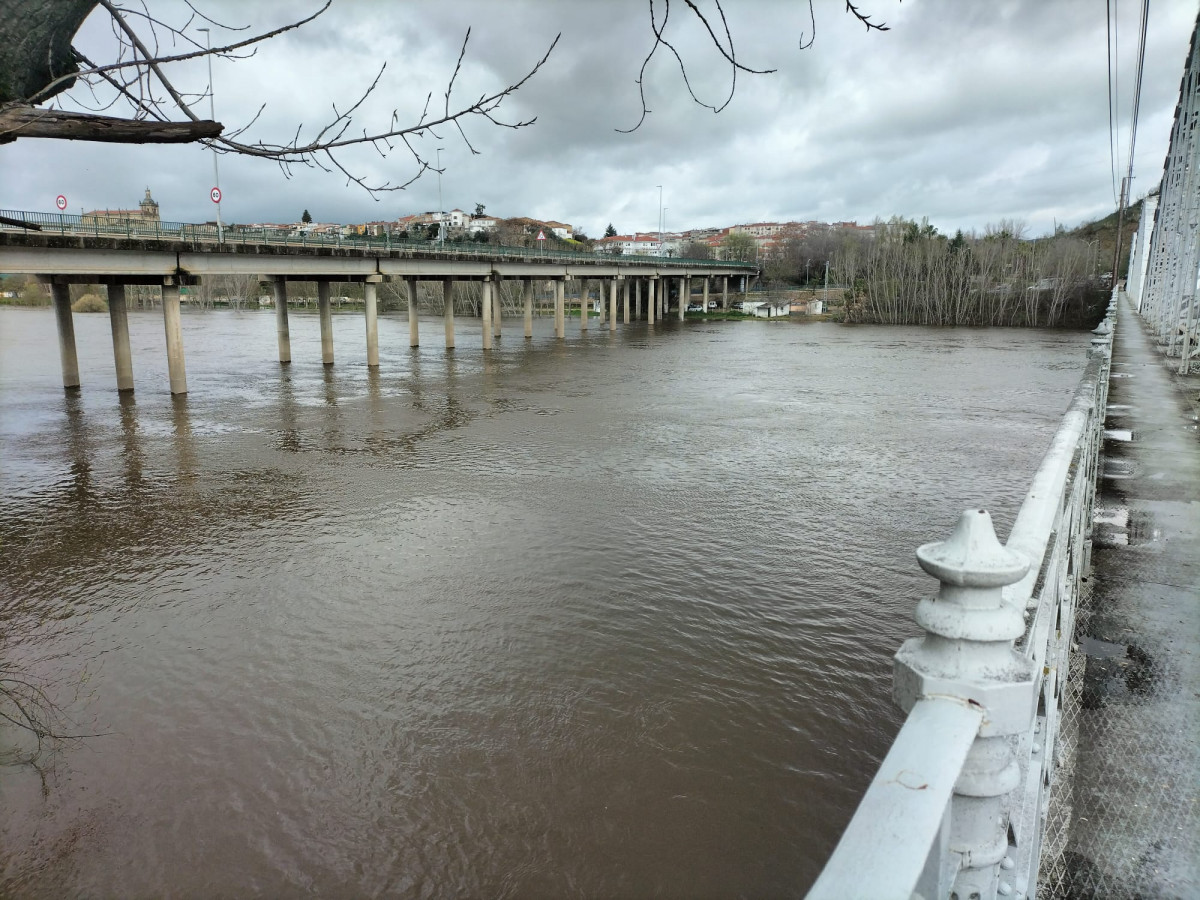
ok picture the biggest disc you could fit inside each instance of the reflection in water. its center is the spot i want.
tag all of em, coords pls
(131, 449)
(610, 616)
(185, 444)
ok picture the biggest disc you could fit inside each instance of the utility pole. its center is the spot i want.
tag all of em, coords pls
(441, 211)
(212, 114)
(1120, 221)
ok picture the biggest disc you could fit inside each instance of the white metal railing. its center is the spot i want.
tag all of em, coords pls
(1167, 294)
(958, 806)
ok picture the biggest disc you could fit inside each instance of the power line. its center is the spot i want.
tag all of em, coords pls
(1137, 91)
(1112, 132)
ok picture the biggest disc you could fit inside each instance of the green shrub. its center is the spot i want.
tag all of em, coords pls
(90, 303)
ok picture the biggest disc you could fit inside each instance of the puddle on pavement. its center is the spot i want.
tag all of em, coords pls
(1118, 526)
(1117, 468)
(1115, 672)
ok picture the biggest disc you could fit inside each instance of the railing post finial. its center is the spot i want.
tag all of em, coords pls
(967, 654)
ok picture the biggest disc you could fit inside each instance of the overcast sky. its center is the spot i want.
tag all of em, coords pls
(967, 113)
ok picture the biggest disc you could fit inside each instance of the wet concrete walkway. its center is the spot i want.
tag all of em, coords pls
(1135, 823)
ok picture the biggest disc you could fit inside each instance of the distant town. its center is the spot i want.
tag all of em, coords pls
(753, 240)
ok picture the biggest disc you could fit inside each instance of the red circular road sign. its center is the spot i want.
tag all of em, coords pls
(215, 194)
(60, 201)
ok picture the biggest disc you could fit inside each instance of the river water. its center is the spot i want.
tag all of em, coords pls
(610, 617)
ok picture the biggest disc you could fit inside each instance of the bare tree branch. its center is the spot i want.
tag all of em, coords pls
(724, 47)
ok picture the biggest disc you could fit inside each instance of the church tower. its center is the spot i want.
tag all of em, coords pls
(149, 208)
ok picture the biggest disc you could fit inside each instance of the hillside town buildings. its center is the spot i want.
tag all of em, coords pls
(457, 224)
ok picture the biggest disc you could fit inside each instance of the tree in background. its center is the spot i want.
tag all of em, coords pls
(696, 250)
(306, 218)
(738, 247)
(610, 231)
(479, 208)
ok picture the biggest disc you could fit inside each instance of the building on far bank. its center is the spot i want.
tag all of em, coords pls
(147, 212)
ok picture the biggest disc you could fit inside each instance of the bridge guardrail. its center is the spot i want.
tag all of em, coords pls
(129, 228)
(959, 804)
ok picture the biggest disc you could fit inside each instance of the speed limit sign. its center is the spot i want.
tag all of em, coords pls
(215, 193)
(60, 201)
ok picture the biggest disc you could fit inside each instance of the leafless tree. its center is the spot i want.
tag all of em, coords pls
(909, 274)
(44, 65)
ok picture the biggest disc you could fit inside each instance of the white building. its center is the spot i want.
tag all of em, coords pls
(770, 309)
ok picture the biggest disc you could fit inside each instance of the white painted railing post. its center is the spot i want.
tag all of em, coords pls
(967, 653)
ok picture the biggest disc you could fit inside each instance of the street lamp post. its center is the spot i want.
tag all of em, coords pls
(662, 237)
(660, 220)
(212, 114)
(441, 211)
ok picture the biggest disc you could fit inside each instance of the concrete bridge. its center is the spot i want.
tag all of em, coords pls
(66, 250)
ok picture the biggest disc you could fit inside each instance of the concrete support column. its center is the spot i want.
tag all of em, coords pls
(118, 318)
(527, 299)
(637, 299)
(584, 302)
(612, 304)
(283, 334)
(414, 338)
(706, 293)
(601, 305)
(174, 329)
(724, 292)
(61, 293)
(497, 307)
(560, 308)
(651, 300)
(685, 290)
(486, 308)
(326, 322)
(664, 299)
(625, 300)
(371, 309)
(448, 310)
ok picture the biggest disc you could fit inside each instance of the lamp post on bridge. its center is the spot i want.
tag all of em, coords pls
(212, 114)
(660, 220)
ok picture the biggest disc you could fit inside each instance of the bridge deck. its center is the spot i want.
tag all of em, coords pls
(1134, 826)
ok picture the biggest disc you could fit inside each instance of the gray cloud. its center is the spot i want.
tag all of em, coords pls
(966, 113)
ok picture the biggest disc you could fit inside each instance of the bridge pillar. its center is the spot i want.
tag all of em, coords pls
(612, 304)
(560, 308)
(176, 370)
(584, 302)
(326, 322)
(283, 335)
(414, 339)
(705, 301)
(118, 317)
(664, 299)
(497, 307)
(371, 314)
(685, 291)
(651, 300)
(486, 309)
(724, 292)
(448, 310)
(625, 299)
(637, 299)
(527, 299)
(61, 294)
(601, 303)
